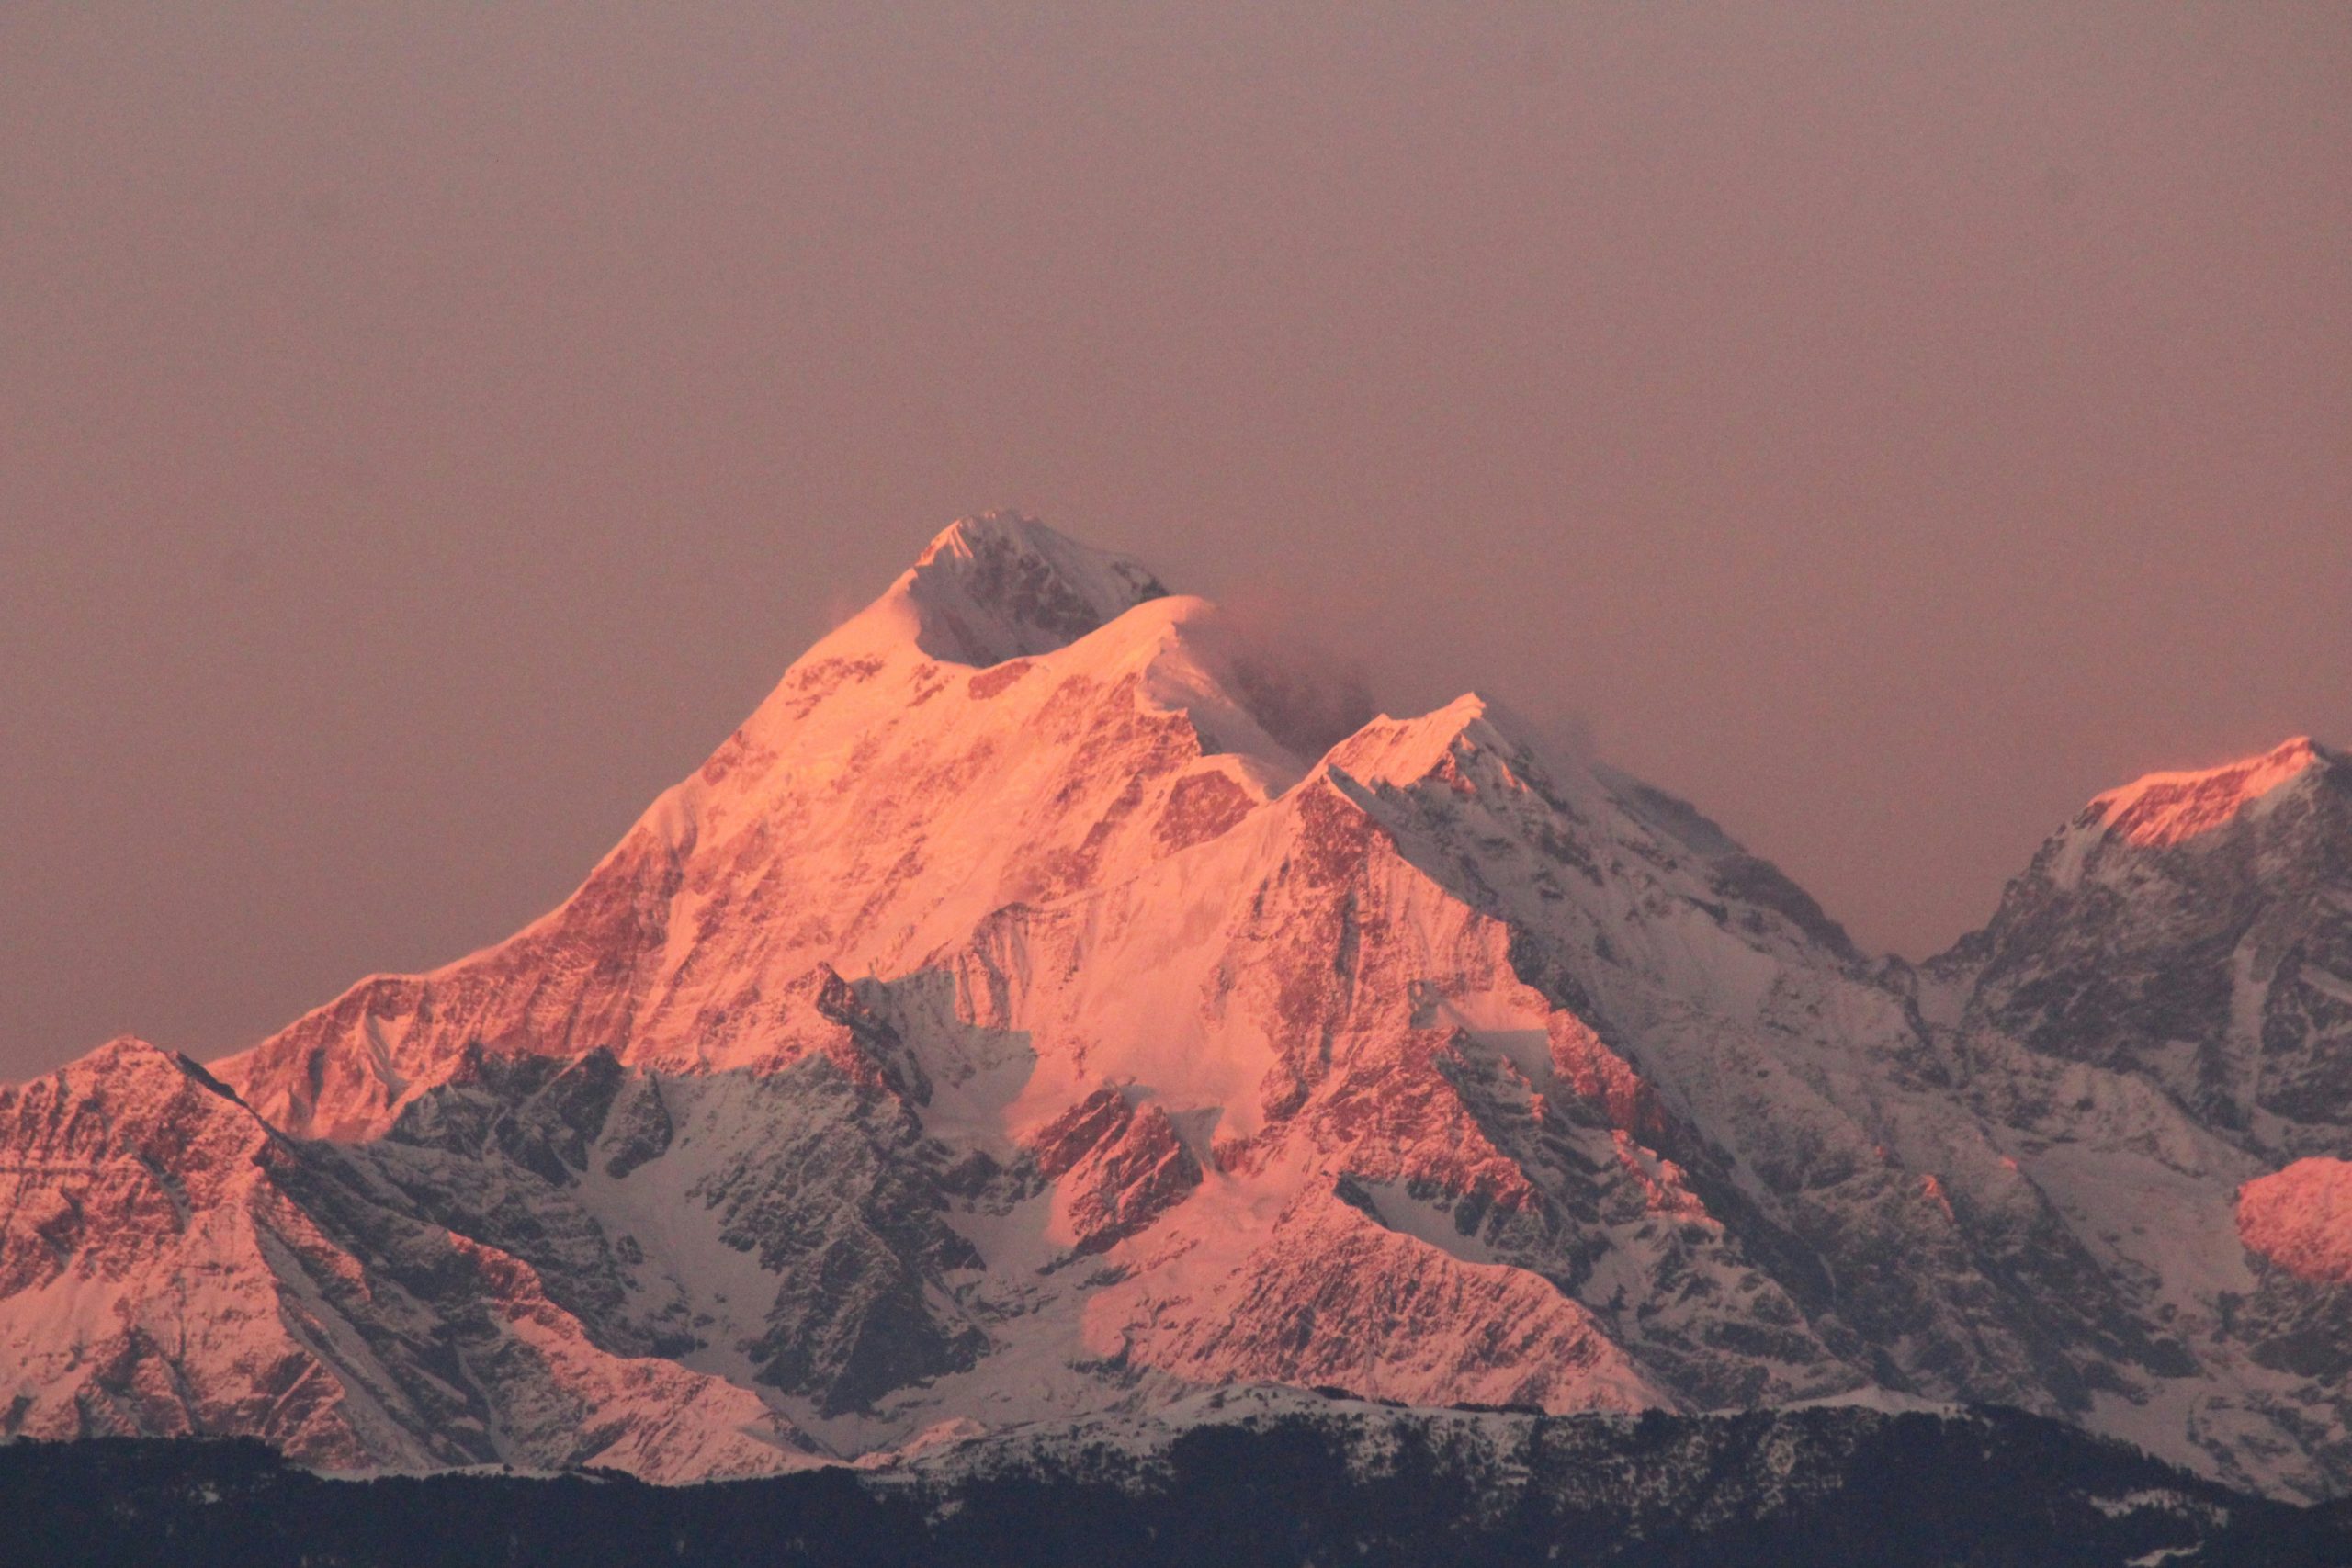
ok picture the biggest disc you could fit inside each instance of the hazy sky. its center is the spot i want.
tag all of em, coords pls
(426, 429)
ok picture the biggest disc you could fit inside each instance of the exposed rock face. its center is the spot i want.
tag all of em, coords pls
(1118, 1169)
(1033, 1010)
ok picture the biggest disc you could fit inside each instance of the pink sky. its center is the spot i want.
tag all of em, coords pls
(426, 429)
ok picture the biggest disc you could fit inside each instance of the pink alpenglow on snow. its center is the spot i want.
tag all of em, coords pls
(2301, 1219)
(2162, 809)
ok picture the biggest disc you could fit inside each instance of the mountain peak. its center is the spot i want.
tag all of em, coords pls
(1402, 752)
(128, 1089)
(1405, 751)
(2159, 810)
(1001, 529)
(128, 1058)
(1002, 585)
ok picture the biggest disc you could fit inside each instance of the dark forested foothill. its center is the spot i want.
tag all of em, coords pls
(1805, 1487)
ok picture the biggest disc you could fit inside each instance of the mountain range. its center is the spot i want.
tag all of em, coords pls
(1054, 1003)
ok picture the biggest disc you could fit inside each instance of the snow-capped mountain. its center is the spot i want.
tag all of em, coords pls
(2195, 929)
(1050, 1004)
